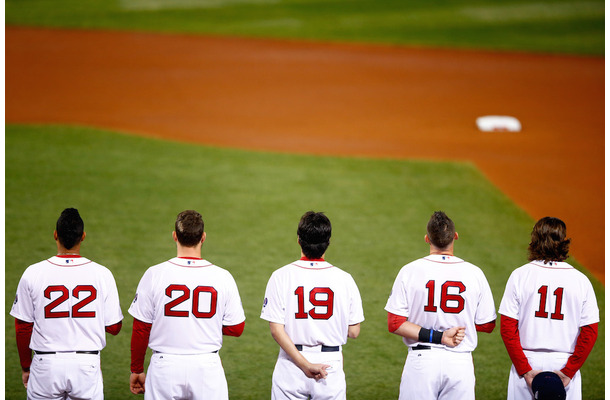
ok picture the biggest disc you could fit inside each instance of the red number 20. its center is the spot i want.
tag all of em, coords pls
(186, 294)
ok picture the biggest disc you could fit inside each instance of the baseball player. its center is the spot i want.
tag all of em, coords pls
(181, 310)
(549, 314)
(312, 308)
(63, 308)
(440, 291)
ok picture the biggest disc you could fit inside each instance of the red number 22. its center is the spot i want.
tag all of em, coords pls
(64, 295)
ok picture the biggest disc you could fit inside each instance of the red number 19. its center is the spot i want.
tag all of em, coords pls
(327, 302)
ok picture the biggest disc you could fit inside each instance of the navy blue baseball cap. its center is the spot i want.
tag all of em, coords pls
(548, 386)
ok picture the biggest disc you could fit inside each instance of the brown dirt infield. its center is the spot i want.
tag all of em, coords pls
(335, 99)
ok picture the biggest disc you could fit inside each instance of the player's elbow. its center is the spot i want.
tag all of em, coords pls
(234, 330)
(353, 331)
(487, 327)
(114, 329)
(395, 322)
(277, 330)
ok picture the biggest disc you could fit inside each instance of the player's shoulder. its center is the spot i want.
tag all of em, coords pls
(218, 270)
(37, 265)
(284, 270)
(34, 270)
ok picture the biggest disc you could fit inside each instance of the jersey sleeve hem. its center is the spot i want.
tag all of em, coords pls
(488, 319)
(236, 321)
(114, 321)
(21, 317)
(507, 314)
(274, 320)
(139, 317)
(590, 322)
(395, 311)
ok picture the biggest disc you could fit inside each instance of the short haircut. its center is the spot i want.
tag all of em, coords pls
(189, 228)
(314, 234)
(70, 228)
(441, 230)
(549, 241)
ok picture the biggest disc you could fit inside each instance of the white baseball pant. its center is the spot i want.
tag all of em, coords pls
(543, 361)
(436, 373)
(65, 375)
(179, 376)
(289, 382)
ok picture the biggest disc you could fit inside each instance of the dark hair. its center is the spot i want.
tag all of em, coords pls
(441, 230)
(549, 241)
(314, 234)
(70, 228)
(189, 228)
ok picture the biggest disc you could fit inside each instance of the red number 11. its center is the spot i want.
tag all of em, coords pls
(541, 313)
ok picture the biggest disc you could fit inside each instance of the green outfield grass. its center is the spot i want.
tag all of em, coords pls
(556, 26)
(129, 190)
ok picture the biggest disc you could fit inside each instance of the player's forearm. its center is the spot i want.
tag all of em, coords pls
(281, 337)
(23, 331)
(400, 326)
(509, 330)
(408, 330)
(353, 331)
(584, 345)
(139, 343)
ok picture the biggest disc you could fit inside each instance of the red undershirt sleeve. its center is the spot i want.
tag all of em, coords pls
(139, 342)
(509, 330)
(394, 322)
(487, 328)
(23, 331)
(584, 345)
(233, 330)
(114, 329)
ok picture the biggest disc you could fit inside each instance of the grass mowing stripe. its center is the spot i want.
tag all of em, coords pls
(129, 190)
(569, 26)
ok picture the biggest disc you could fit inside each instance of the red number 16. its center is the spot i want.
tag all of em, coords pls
(446, 297)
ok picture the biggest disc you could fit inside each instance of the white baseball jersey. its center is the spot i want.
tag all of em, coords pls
(70, 300)
(187, 301)
(551, 301)
(315, 301)
(439, 292)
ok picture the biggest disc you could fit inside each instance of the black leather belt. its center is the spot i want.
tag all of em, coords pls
(421, 347)
(77, 352)
(324, 348)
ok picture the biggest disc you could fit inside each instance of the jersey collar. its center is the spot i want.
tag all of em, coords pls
(68, 260)
(552, 264)
(312, 264)
(443, 259)
(311, 259)
(190, 262)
